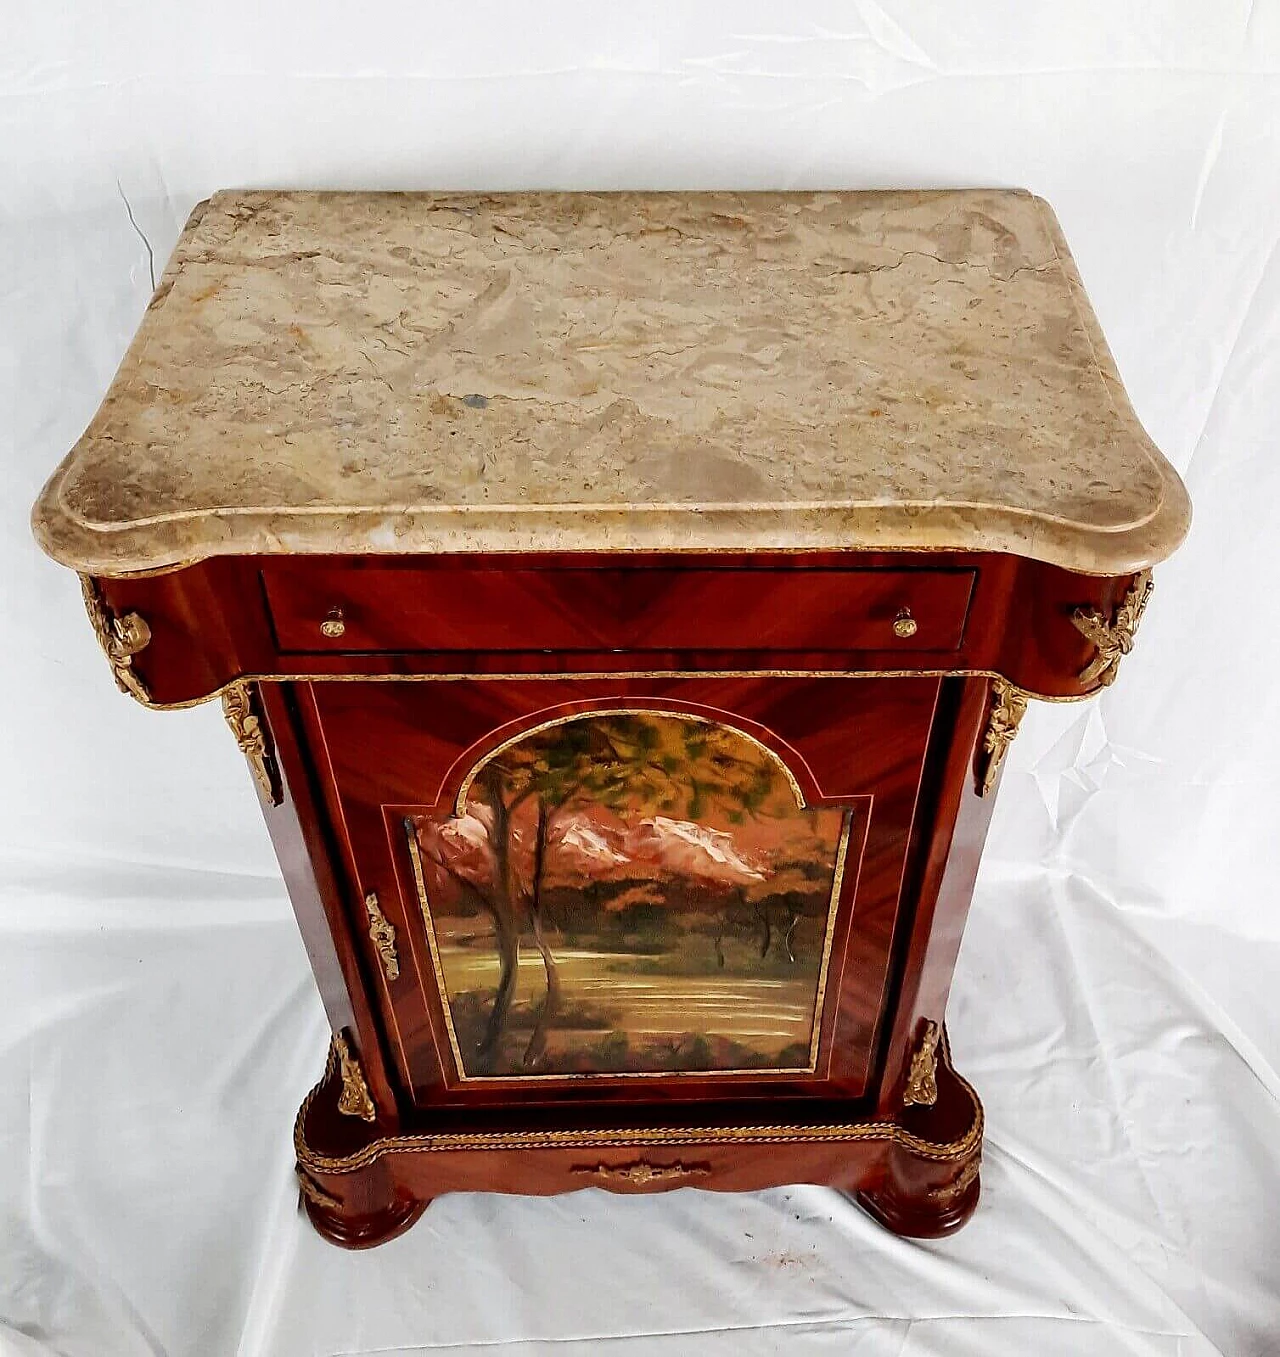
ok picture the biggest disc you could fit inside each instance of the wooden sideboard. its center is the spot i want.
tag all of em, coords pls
(624, 604)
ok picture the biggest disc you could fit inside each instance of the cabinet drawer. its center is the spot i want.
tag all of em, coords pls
(585, 608)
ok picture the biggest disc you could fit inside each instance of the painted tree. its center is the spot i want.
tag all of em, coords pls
(463, 848)
(798, 888)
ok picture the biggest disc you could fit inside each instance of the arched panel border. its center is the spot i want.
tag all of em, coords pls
(793, 765)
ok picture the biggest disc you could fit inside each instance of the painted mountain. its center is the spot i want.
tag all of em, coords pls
(630, 893)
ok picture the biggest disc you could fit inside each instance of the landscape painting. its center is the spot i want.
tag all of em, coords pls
(630, 893)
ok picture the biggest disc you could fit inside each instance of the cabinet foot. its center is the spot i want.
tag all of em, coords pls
(360, 1231)
(926, 1213)
(917, 1192)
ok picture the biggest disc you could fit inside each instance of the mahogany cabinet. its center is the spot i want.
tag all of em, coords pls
(624, 604)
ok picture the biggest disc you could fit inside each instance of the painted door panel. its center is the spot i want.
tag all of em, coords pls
(648, 888)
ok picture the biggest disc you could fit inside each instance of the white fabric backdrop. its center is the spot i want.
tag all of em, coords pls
(1116, 998)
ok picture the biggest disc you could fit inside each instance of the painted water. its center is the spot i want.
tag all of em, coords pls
(620, 1014)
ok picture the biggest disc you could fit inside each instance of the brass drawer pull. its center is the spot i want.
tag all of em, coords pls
(904, 625)
(334, 625)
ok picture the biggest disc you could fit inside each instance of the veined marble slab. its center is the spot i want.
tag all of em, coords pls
(385, 372)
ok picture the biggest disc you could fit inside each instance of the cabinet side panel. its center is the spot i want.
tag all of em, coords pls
(957, 833)
(304, 848)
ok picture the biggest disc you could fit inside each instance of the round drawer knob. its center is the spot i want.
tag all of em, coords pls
(334, 626)
(904, 625)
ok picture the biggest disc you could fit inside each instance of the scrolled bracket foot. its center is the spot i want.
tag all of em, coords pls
(355, 1227)
(927, 1211)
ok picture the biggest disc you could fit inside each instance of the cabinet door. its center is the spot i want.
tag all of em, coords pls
(633, 888)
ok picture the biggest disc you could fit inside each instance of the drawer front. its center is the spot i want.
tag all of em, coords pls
(351, 608)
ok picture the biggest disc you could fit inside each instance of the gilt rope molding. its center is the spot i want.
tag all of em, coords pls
(315, 1161)
(314, 1193)
(950, 1192)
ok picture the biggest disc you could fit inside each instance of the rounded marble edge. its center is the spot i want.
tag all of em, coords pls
(168, 544)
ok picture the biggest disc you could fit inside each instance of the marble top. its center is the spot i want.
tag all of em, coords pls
(457, 372)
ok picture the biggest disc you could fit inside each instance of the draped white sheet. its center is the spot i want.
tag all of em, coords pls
(1117, 994)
